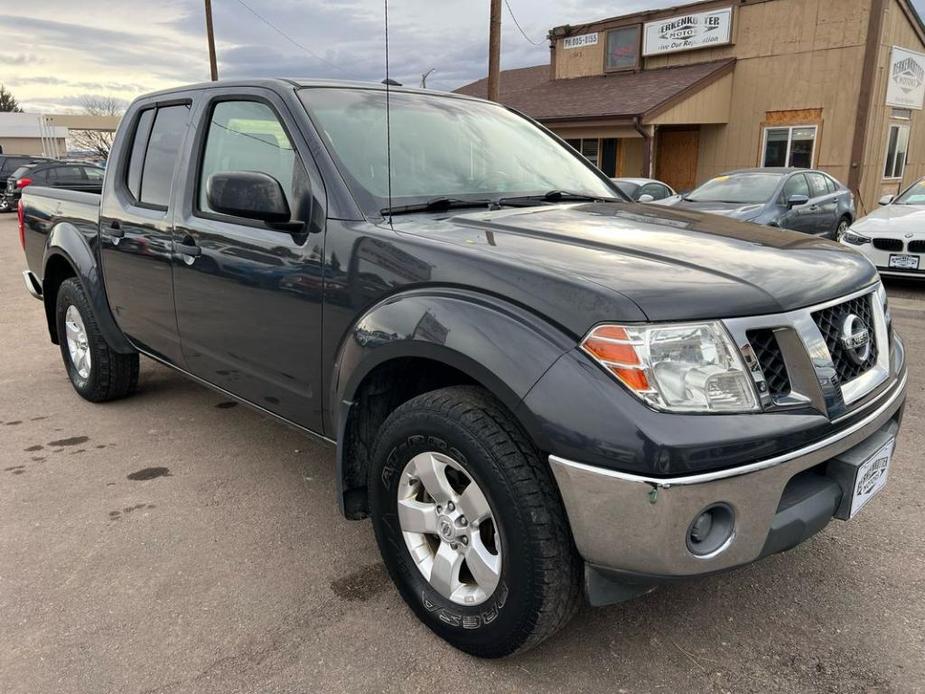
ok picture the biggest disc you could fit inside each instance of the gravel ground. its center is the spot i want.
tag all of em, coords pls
(176, 542)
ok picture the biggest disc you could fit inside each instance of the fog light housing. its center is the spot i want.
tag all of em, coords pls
(711, 530)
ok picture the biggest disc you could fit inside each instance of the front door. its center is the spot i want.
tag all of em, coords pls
(803, 218)
(248, 294)
(676, 158)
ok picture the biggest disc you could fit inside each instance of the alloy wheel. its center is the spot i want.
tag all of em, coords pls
(77, 346)
(449, 528)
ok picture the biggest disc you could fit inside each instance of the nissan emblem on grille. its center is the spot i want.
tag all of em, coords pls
(855, 338)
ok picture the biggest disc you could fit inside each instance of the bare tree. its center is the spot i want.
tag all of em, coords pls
(97, 141)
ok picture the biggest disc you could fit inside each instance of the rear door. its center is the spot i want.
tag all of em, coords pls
(136, 227)
(822, 203)
(248, 294)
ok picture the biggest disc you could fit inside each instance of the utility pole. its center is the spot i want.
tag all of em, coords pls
(213, 66)
(425, 76)
(494, 51)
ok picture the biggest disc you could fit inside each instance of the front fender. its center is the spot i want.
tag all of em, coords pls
(66, 242)
(501, 346)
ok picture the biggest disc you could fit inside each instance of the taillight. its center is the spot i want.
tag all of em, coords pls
(21, 215)
(23, 182)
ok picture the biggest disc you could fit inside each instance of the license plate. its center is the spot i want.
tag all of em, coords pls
(904, 262)
(871, 477)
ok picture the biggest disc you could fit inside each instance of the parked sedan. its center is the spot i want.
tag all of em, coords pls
(644, 189)
(799, 199)
(893, 237)
(54, 174)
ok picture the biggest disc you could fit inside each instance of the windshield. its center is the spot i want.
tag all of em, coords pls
(744, 188)
(914, 195)
(442, 147)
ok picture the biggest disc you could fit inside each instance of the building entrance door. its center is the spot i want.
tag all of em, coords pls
(676, 157)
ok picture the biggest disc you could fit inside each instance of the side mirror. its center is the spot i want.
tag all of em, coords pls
(887, 199)
(248, 194)
(645, 197)
(796, 201)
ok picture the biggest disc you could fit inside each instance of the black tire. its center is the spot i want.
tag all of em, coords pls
(540, 586)
(111, 374)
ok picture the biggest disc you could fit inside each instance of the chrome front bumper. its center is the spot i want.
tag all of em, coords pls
(640, 525)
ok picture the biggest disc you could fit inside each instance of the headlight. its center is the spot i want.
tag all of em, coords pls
(691, 367)
(854, 238)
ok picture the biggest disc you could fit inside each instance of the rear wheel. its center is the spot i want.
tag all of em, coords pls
(843, 225)
(470, 524)
(96, 371)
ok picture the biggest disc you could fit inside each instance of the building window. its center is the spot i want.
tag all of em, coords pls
(589, 150)
(896, 149)
(790, 146)
(901, 113)
(622, 48)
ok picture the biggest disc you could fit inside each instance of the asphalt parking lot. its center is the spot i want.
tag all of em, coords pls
(177, 542)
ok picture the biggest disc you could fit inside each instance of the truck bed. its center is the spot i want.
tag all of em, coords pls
(50, 207)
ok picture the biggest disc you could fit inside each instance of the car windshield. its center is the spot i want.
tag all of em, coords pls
(743, 188)
(914, 195)
(20, 172)
(442, 147)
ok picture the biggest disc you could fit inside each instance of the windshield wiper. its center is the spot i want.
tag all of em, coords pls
(554, 196)
(434, 205)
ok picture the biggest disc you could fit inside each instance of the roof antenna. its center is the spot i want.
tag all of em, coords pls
(388, 126)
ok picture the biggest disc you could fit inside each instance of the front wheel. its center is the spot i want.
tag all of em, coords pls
(470, 523)
(96, 371)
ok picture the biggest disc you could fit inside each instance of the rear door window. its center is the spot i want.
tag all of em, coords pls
(137, 155)
(160, 157)
(817, 185)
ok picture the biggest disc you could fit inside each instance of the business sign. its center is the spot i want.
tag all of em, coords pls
(906, 87)
(580, 41)
(687, 32)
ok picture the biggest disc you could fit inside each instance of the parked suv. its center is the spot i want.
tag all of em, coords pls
(536, 387)
(54, 174)
(8, 164)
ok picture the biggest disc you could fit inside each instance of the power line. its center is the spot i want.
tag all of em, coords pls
(287, 36)
(516, 23)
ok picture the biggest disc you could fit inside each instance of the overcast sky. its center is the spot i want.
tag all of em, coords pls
(53, 53)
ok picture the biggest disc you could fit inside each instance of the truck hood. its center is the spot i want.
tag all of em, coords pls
(673, 264)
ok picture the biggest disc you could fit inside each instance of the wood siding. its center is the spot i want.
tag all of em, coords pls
(898, 30)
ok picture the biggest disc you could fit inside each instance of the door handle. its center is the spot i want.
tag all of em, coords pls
(115, 229)
(188, 249)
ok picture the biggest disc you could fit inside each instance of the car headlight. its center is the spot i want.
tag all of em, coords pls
(690, 367)
(854, 238)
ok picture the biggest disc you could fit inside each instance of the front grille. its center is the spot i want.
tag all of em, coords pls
(917, 246)
(830, 321)
(771, 360)
(888, 244)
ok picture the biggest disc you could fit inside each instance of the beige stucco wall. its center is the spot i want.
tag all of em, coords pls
(28, 145)
(898, 30)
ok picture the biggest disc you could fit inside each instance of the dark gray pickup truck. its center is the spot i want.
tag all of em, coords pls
(537, 389)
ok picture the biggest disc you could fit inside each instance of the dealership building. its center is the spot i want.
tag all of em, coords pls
(685, 93)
